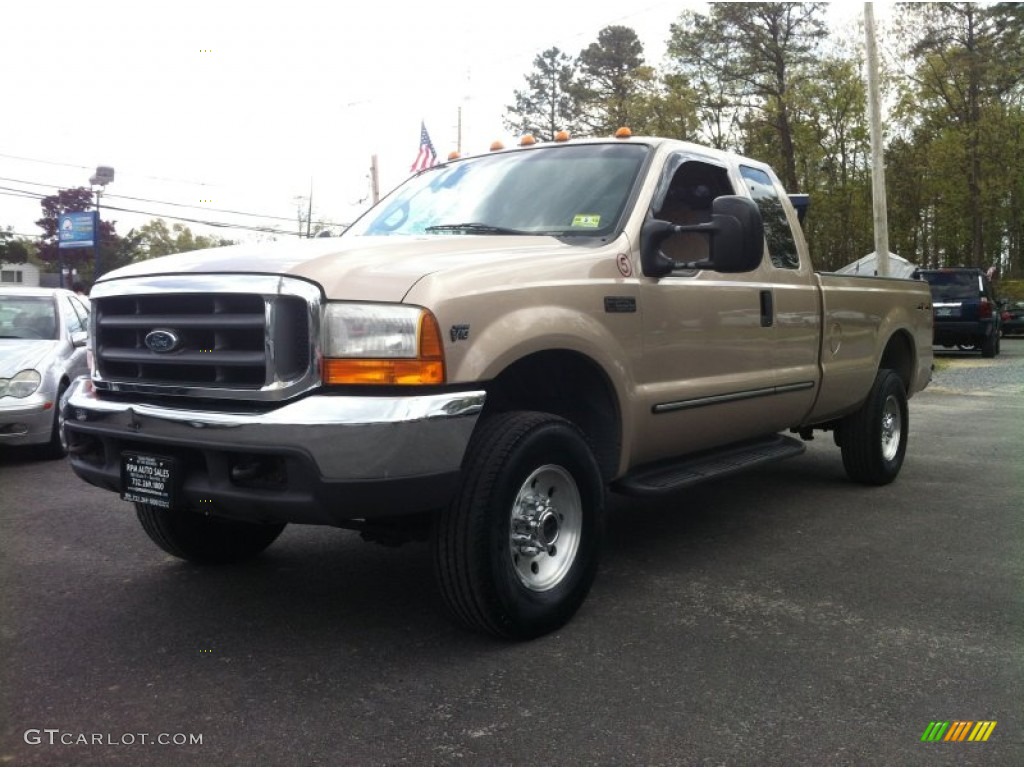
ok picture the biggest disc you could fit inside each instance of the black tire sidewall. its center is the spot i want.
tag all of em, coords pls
(862, 438)
(205, 540)
(54, 447)
(559, 444)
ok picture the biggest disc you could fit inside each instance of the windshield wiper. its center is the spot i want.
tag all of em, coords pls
(476, 227)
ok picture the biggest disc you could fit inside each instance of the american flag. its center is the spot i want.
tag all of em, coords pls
(428, 155)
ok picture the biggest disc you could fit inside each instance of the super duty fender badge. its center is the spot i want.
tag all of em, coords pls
(459, 333)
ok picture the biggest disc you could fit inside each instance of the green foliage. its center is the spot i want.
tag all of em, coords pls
(156, 238)
(13, 250)
(763, 79)
(611, 72)
(665, 106)
(751, 55)
(1011, 290)
(960, 99)
(548, 104)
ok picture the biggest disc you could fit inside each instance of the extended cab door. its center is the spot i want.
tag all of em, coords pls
(795, 300)
(706, 377)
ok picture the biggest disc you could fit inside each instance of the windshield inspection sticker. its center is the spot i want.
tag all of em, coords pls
(588, 220)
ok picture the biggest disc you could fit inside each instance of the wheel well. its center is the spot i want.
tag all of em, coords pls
(569, 385)
(899, 357)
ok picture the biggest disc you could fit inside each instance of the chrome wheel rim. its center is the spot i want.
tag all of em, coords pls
(545, 528)
(892, 428)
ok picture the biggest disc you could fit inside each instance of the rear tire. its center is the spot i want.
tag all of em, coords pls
(990, 345)
(517, 550)
(203, 539)
(874, 438)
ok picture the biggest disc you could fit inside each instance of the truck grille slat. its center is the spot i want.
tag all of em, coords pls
(219, 322)
(215, 358)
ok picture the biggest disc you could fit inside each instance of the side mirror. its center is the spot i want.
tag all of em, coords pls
(79, 338)
(737, 239)
(801, 203)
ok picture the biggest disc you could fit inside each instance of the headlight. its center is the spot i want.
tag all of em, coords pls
(381, 344)
(22, 384)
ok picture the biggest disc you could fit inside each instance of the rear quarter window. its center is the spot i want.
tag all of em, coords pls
(778, 235)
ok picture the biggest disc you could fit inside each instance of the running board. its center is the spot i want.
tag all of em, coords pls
(666, 477)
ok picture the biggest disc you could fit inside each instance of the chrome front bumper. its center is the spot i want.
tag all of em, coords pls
(329, 447)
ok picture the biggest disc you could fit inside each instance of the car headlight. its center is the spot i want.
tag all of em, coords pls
(22, 384)
(381, 344)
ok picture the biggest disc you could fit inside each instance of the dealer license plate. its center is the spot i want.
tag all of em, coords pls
(148, 479)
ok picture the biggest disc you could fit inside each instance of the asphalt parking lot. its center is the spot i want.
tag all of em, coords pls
(787, 617)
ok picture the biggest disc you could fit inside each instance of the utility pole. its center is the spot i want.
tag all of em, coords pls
(458, 141)
(877, 150)
(309, 212)
(374, 180)
(103, 176)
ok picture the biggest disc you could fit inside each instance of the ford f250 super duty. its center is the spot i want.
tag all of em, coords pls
(483, 357)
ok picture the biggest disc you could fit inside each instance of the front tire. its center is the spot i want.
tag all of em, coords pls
(874, 438)
(55, 447)
(517, 550)
(204, 539)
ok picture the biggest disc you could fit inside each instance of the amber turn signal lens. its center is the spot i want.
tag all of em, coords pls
(383, 371)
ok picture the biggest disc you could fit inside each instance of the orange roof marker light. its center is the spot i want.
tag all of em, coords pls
(562, 136)
(496, 145)
(623, 133)
(527, 140)
(453, 155)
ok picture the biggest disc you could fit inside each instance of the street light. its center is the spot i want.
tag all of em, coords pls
(103, 176)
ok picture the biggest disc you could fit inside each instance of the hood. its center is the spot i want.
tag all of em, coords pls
(364, 268)
(19, 354)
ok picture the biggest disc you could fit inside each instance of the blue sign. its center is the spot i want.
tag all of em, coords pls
(77, 230)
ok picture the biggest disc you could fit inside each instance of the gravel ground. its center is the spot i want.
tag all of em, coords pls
(969, 373)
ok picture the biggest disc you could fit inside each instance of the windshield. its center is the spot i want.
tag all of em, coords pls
(554, 190)
(953, 286)
(27, 317)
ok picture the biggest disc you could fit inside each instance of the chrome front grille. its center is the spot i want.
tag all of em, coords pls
(252, 337)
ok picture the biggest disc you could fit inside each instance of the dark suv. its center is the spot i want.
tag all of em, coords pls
(964, 305)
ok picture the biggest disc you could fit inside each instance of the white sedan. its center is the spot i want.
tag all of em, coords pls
(43, 334)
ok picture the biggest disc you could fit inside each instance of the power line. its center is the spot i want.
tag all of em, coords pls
(13, 192)
(161, 202)
(169, 203)
(86, 168)
(217, 224)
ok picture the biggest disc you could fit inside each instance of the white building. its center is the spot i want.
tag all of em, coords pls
(19, 274)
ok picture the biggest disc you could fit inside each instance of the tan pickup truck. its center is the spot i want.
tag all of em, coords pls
(483, 357)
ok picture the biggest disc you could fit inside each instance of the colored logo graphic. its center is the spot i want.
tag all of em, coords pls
(958, 730)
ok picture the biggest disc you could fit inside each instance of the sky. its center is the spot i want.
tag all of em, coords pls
(218, 106)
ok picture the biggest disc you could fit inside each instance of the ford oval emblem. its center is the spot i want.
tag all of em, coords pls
(162, 340)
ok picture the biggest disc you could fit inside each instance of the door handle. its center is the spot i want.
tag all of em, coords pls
(767, 309)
